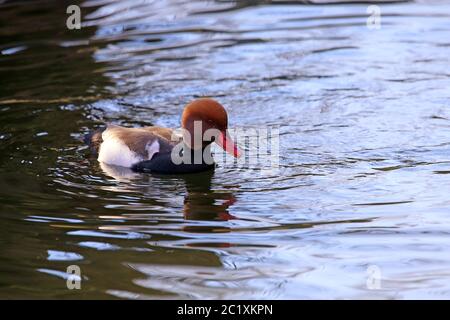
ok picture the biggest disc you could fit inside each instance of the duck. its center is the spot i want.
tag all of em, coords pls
(204, 121)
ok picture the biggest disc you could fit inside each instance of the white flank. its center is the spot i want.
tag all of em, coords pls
(115, 152)
(152, 148)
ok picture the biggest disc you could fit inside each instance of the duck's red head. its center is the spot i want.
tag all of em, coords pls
(211, 115)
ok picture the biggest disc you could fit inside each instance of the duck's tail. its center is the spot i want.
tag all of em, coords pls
(94, 140)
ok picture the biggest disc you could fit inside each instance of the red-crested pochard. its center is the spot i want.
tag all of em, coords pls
(152, 149)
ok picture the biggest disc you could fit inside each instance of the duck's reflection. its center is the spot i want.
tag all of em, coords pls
(119, 173)
(200, 202)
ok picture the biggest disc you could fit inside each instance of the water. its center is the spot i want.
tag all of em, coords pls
(359, 207)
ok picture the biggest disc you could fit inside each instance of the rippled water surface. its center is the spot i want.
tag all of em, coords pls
(361, 195)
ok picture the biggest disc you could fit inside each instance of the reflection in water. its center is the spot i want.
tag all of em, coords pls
(119, 173)
(364, 126)
(200, 202)
(203, 204)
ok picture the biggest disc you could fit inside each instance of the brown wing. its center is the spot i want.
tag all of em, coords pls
(138, 139)
(165, 133)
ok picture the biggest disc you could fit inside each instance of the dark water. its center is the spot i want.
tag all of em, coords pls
(363, 183)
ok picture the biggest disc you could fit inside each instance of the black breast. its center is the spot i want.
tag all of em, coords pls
(162, 163)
